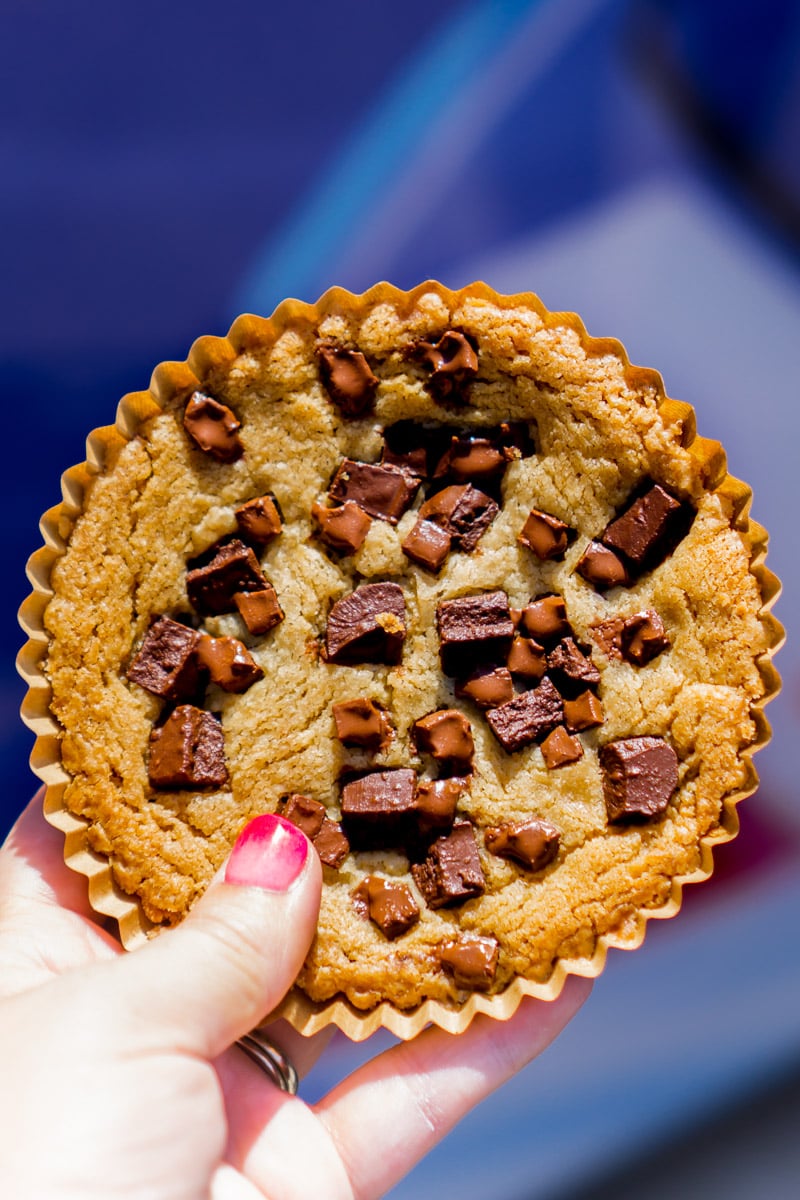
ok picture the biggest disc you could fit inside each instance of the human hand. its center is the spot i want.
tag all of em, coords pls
(120, 1077)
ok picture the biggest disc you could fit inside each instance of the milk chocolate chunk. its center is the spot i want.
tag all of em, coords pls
(526, 659)
(362, 722)
(446, 735)
(378, 808)
(471, 460)
(546, 536)
(234, 568)
(213, 427)
(462, 511)
(187, 751)
(260, 611)
(305, 813)
(527, 718)
(435, 804)
(229, 663)
(648, 531)
(569, 665)
(343, 528)
(533, 844)
(428, 545)
(584, 712)
(643, 637)
(545, 620)
(368, 625)
(608, 636)
(639, 777)
(348, 379)
(473, 630)
(259, 520)
(331, 844)
(391, 906)
(488, 687)
(383, 492)
(559, 748)
(453, 362)
(472, 961)
(602, 568)
(165, 663)
(406, 446)
(451, 873)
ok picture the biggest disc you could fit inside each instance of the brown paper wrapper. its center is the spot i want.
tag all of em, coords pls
(209, 359)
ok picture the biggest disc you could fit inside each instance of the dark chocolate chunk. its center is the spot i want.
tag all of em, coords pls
(472, 460)
(649, 529)
(453, 362)
(526, 659)
(368, 625)
(584, 712)
(383, 492)
(545, 620)
(259, 520)
(348, 379)
(488, 687)
(435, 804)
(533, 844)
(234, 568)
(362, 722)
(447, 737)
(213, 427)
(639, 777)
(602, 568)
(331, 844)
(559, 749)
(406, 446)
(165, 663)
(391, 906)
(428, 545)
(546, 536)
(343, 528)
(643, 637)
(378, 809)
(527, 718)
(305, 813)
(463, 512)
(187, 751)
(473, 630)
(451, 872)
(260, 610)
(472, 961)
(228, 662)
(569, 665)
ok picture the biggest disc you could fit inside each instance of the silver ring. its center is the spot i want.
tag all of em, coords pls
(272, 1061)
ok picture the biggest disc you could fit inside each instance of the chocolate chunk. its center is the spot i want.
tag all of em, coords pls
(545, 619)
(602, 568)
(533, 844)
(383, 492)
(584, 712)
(453, 362)
(526, 659)
(305, 813)
(260, 611)
(451, 873)
(378, 808)
(559, 749)
(608, 636)
(228, 662)
(187, 751)
(390, 905)
(234, 568)
(473, 630)
(368, 625)
(435, 804)
(463, 512)
(362, 722)
(570, 666)
(516, 440)
(331, 844)
(649, 529)
(488, 687)
(643, 637)
(446, 735)
(166, 664)
(639, 777)
(527, 718)
(259, 520)
(406, 446)
(546, 536)
(428, 545)
(213, 427)
(472, 460)
(348, 379)
(343, 528)
(472, 961)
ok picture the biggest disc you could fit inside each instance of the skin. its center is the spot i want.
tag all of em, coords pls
(120, 1078)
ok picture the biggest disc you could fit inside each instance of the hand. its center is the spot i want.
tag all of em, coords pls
(120, 1078)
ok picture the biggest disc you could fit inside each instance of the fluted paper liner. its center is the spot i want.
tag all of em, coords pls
(210, 359)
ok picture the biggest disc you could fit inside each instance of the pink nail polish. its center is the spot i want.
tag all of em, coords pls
(269, 853)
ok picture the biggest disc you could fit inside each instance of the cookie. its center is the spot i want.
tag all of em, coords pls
(449, 584)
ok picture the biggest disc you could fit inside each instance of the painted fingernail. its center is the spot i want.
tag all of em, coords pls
(269, 853)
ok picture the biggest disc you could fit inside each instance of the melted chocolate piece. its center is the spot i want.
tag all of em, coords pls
(451, 873)
(378, 809)
(435, 804)
(234, 568)
(463, 512)
(545, 620)
(584, 712)
(473, 630)
(348, 379)
(260, 610)
(526, 659)
(488, 687)
(305, 813)
(343, 528)
(559, 749)
(213, 428)
(527, 718)
(607, 635)
(166, 663)
(639, 777)
(533, 844)
(331, 844)
(453, 362)
(570, 666)
(472, 961)
(368, 625)
(391, 906)
(472, 460)
(546, 536)
(259, 520)
(383, 492)
(362, 722)
(447, 737)
(428, 545)
(228, 662)
(187, 751)
(643, 638)
(406, 446)
(602, 568)
(649, 529)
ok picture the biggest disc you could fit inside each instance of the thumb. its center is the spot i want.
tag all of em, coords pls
(204, 984)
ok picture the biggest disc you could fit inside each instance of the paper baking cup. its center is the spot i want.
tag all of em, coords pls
(209, 361)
